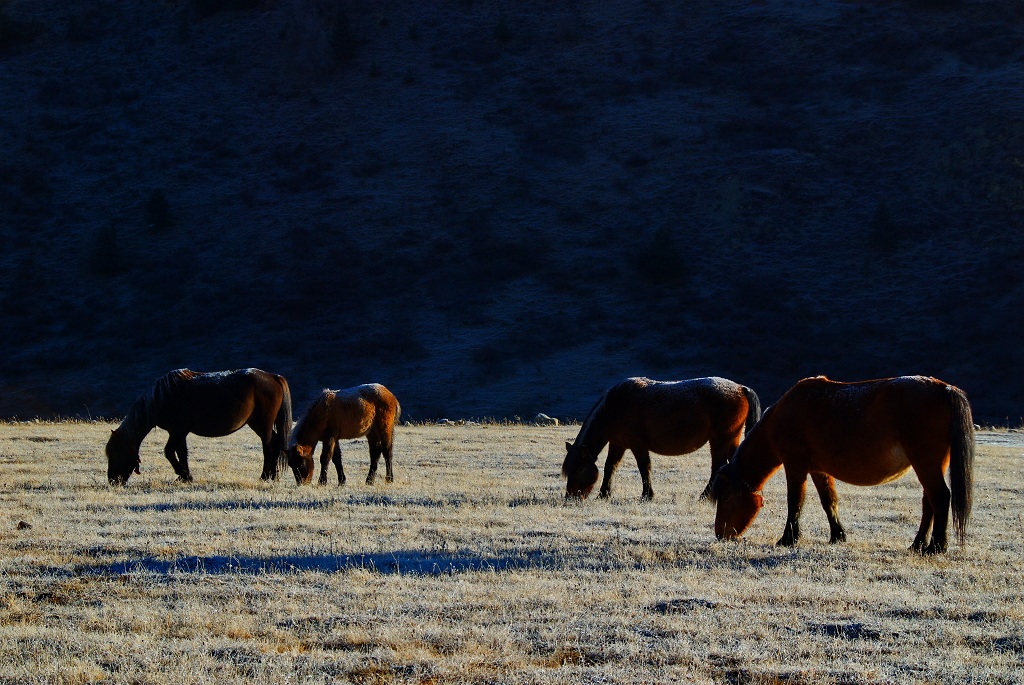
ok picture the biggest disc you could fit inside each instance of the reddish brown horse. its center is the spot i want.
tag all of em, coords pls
(207, 404)
(369, 410)
(861, 433)
(670, 418)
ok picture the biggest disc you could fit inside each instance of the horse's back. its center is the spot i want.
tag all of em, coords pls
(866, 432)
(360, 408)
(674, 417)
(893, 404)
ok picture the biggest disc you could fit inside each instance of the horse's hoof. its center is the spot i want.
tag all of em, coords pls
(786, 542)
(605, 494)
(389, 479)
(647, 497)
(841, 537)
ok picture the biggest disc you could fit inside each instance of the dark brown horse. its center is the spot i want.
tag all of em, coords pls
(369, 410)
(861, 433)
(207, 404)
(670, 418)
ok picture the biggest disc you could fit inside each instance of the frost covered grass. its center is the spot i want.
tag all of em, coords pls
(472, 568)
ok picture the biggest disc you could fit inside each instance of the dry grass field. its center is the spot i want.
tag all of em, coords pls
(472, 568)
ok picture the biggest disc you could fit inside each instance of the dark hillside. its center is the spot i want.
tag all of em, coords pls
(500, 208)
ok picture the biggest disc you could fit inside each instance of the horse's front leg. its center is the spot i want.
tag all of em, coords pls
(337, 464)
(796, 486)
(643, 462)
(611, 463)
(176, 451)
(722, 449)
(326, 456)
(826, 486)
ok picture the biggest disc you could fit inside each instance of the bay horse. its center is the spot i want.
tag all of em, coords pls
(207, 404)
(670, 418)
(369, 410)
(863, 433)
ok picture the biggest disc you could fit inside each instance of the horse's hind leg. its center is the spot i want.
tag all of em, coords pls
(611, 463)
(326, 456)
(938, 496)
(373, 441)
(921, 540)
(176, 451)
(387, 442)
(389, 476)
(826, 486)
(796, 486)
(643, 462)
(270, 452)
(934, 506)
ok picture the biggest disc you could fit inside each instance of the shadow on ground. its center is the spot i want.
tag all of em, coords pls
(400, 562)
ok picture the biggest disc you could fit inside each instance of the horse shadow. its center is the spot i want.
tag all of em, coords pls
(316, 504)
(398, 562)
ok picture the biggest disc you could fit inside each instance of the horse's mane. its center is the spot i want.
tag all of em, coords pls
(595, 415)
(142, 415)
(139, 419)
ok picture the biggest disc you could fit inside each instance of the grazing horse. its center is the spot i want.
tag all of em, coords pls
(369, 410)
(207, 404)
(861, 433)
(670, 418)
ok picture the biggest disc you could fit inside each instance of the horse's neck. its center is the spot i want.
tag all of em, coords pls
(139, 421)
(310, 427)
(757, 462)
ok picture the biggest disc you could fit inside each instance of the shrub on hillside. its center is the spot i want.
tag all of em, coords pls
(660, 261)
(158, 211)
(884, 232)
(344, 44)
(106, 257)
(14, 32)
(208, 8)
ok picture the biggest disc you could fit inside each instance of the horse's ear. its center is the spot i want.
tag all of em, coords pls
(568, 446)
(758, 499)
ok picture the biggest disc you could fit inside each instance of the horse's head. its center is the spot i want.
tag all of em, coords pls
(300, 458)
(122, 457)
(579, 470)
(738, 505)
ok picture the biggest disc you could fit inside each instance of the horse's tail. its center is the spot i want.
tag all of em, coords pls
(398, 407)
(753, 408)
(283, 425)
(394, 422)
(961, 459)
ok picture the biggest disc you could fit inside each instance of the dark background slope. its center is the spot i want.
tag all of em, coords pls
(502, 208)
